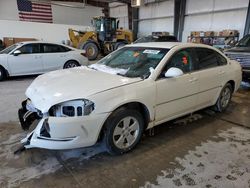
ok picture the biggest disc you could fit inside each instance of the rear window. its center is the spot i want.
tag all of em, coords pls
(221, 60)
(207, 58)
(54, 48)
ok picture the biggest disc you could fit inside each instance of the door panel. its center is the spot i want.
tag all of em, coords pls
(28, 62)
(210, 75)
(178, 95)
(54, 57)
(209, 87)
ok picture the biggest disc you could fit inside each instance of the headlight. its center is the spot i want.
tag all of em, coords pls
(30, 106)
(80, 107)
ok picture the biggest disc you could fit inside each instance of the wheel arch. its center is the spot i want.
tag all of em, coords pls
(6, 71)
(232, 82)
(142, 108)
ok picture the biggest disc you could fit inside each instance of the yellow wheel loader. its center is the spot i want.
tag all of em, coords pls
(105, 39)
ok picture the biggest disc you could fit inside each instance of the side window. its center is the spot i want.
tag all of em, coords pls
(207, 58)
(52, 48)
(221, 60)
(65, 49)
(182, 60)
(30, 49)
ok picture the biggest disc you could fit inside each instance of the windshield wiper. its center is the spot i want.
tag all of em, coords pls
(145, 76)
(91, 68)
(120, 74)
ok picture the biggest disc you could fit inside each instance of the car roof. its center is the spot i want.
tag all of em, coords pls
(168, 45)
(37, 41)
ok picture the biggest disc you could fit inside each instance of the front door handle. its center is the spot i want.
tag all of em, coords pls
(221, 72)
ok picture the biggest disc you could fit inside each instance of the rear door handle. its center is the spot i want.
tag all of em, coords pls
(193, 79)
(38, 56)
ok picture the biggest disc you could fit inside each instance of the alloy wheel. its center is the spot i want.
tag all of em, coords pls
(71, 65)
(225, 97)
(126, 132)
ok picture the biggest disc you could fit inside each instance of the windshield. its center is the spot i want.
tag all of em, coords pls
(9, 49)
(151, 38)
(98, 24)
(131, 61)
(144, 39)
(244, 42)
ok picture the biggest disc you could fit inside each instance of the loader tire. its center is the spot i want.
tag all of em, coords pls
(92, 50)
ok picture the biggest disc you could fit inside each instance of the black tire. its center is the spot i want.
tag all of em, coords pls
(224, 98)
(71, 64)
(2, 74)
(119, 45)
(92, 50)
(116, 122)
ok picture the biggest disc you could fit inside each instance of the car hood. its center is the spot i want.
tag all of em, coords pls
(69, 84)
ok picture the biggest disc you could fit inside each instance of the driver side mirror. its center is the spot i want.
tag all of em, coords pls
(173, 72)
(117, 24)
(17, 52)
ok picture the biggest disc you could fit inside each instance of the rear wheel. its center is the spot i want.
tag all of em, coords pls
(123, 130)
(91, 50)
(2, 74)
(224, 98)
(71, 64)
(119, 45)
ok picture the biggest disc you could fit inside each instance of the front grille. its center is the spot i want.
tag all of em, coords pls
(242, 58)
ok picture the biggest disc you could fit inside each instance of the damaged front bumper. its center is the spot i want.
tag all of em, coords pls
(60, 132)
(27, 117)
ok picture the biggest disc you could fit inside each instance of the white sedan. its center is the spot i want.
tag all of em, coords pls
(37, 57)
(133, 89)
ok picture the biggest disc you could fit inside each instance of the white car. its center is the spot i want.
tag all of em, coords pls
(37, 57)
(132, 89)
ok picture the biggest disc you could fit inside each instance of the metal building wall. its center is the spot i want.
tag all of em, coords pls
(156, 17)
(201, 15)
(215, 15)
(119, 11)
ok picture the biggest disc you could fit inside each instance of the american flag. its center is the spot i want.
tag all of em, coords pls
(34, 11)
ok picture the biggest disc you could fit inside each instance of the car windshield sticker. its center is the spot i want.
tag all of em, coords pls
(184, 60)
(151, 51)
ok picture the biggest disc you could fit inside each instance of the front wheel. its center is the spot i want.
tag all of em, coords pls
(123, 130)
(224, 98)
(2, 74)
(91, 50)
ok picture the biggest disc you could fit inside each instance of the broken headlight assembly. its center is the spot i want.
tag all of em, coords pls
(80, 107)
